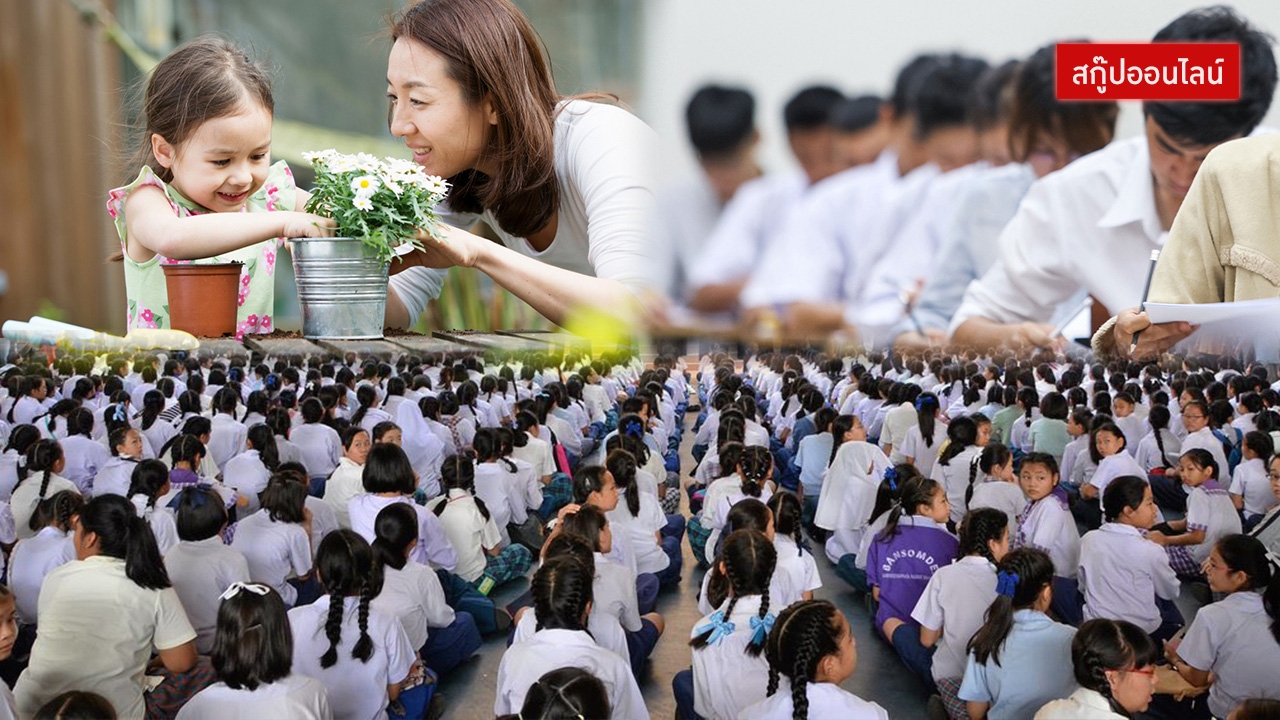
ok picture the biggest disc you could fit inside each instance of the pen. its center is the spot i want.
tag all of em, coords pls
(1142, 306)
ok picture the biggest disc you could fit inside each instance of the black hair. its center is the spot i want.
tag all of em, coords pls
(754, 467)
(312, 410)
(839, 426)
(1054, 406)
(1109, 427)
(979, 528)
(152, 406)
(586, 481)
(1101, 645)
(905, 85)
(803, 634)
(1258, 709)
(856, 114)
(200, 514)
(1261, 444)
(387, 470)
(587, 523)
(41, 457)
(349, 435)
(1159, 417)
(1123, 492)
(889, 492)
(395, 529)
(941, 95)
(124, 535)
(749, 560)
(915, 492)
(187, 449)
(1034, 572)
(263, 440)
(80, 422)
(962, 432)
(1247, 554)
(57, 510)
(381, 429)
(1030, 400)
(148, 478)
(226, 400)
(253, 645)
(810, 108)
(76, 705)
(1209, 123)
(787, 515)
(487, 445)
(927, 407)
(458, 472)
(719, 119)
(565, 694)
(622, 466)
(344, 561)
(562, 592)
(284, 499)
(1204, 459)
(366, 395)
(21, 438)
(991, 98)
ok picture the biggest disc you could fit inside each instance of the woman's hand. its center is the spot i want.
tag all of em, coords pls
(1154, 340)
(454, 248)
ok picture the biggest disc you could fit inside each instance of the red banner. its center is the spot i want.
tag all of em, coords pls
(1164, 72)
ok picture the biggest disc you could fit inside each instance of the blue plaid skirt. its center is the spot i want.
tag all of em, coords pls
(698, 539)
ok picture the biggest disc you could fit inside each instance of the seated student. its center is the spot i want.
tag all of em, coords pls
(412, 592)
(346, 481)
(852, 477)
(1108, 450)
(562, 594)
(1114, 663)
(149, 483)
(248, 472)
(1116, 203)
(1159, 448)
(1210, 516)
(43, 479)
(1047, 525)
(1268, 528)
(811, 644)
(1019, 659)
(388, 479)
(954, 603)
(746, 231)
(1232, 645)
(1049, 433)
(482, 558)
(50, 548)
(1123, 575)
(1250, 485)
(794, 558)
(320, 445)
(253, 658)
(503, 491)
(999, 487)
(85, 456)
(276, 541)
(957, 465)
(750, 514)
(640, 523)
(566, 692)
(924, 440)
(323, 519)
(126, 451)
(200, 566)
(752, 479)
(227, 436)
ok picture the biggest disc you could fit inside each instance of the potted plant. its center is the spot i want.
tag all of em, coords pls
(378, 206)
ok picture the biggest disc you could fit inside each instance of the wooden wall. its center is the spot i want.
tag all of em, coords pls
(59, 133)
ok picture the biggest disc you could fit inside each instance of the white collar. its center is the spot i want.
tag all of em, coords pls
(1121, 529)
(1135, 197)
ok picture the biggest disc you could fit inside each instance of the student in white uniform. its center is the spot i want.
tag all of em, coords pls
(794, 559)
(1237, 639)
(954, 604)
(956, 468)
(1123, 575)
(252, 656)
(227, 438)
(276, 540)
(14, 460)
(45, 463)
(50, 548)
(200, 566)
(1047, 525)
(347, 479)
(1114, 663)
(320, 445)
(812, 647)
(566, 692)
(999, 486)
(1160, 447)
(924, 439)
(359, 654)
(388, 479)
(1250, 485)
(1108, 449)
(85, 456)
(562, 598)
(1210, 515)
(149, 483)
(249, 472)
(483, 559)
(639, 522)
(114, 476)
(504, 491)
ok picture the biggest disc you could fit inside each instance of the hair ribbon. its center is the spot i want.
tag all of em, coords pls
(119, 412)
(891, 477)
(236, 587)
(761, 627)
(1006, 583)
(719, 627)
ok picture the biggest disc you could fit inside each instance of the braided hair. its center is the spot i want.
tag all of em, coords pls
(1030, 400)
(562, 592)
(747, 514)
(568, 692)
(458, 472)
(42, 457)
(749, 560)
(804, 634)
(622, 465)
(979, 529)
(487, 444)
(1103, 645)
(1034, 572)
(57, 510)
(787, 515)
(345, 564)
(755, 466)
(993, 456)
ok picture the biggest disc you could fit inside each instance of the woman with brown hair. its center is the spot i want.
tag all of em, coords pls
(564, 183)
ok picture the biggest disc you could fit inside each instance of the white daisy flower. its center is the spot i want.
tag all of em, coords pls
(342, 164)
(366, 184)
(362, 202)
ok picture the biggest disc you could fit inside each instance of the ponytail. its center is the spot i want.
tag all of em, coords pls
(152, 406)
(263, 440)
(366, 396)
(1021, 577)
(927, 407)
(915, 492)
(804, 634)
(839, 426)
(754, 468)
(124, 535)
(395, 528)
(1247, 554)
(962, 432)
(622, 466)
(993, 456)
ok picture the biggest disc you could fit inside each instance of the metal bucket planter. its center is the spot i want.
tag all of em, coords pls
(342, 288)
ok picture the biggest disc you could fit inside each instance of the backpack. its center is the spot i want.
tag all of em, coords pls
(1231, 449)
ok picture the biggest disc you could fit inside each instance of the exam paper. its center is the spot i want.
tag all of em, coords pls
(1248, 329)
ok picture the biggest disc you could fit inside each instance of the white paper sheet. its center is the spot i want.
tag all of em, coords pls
(1248, 329)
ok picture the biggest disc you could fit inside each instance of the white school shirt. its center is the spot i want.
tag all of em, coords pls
(1232, 639)
(433, 546)
(725, 678)
(91, 604)
(1006, 497)
(8, 473)
(537, 452)
(287, 451)
(854, 513)
(201, 570)
(320, 445)
(32, 560)
(297, 697)
(638, 532)
(413, 595)
(1114, 466)
(1121, 575)
(275, 552)
(826, 702)
(323, 521)
(357, 690)
(1252, 481)
(604, 628)
(954, 478)
(956, 601)
(1148, 455)
(1134, 428)
(749, 226)
(346, 482)
(1049, 526)
(159, 433)
(1083, 704)
(797, 565)
(1102, 205)
(85, 458)
(26, 409)
(1071, 456)
(924, 457)
(497, 488)
(524, 662)
(1209, 508)
(603, 159)
(226, 439)
(27, 495)
(468, 532)
(781, 593)
(115, 477)
(246, 474)
(161, 520)
(615, 592)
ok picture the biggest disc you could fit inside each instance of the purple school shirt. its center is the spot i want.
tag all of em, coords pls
(902, 565)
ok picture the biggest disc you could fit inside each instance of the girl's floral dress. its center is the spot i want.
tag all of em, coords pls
(144, 282)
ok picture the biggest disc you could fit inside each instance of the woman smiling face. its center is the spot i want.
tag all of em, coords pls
(446, 132)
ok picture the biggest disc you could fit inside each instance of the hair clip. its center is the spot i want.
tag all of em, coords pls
(761, 627)
(1006, 583)
(719, 626)
(236, 587)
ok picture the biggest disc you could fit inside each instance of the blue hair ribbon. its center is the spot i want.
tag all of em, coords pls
(119, 412)
(760, 628)
(1006, 583)
(719, 627)
(891, 477)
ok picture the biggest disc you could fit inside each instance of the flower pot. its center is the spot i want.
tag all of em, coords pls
(342, 288)
(202, 297)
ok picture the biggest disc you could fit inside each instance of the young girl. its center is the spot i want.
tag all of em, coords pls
(1210, 516)
(153, 428)
(361, 655)
(368, 413)
(412, 592)
(13, 462)
(276, 540)
(1236, 640)
(85, 456)
(569, 692)
(1160, 448)
(206, 160)
(1114, 663)
(640, 523)
(114, 476)
(43, 479)
(253, 658)
(812, 645)
(562, 597)
(1047, 525)
(346, 482)
(1019, 659)
(498, 485)
(248, 472)
(200, 566)
(751, 480)
(794, 559)
(1049, 433)
(320, 445)
(1250, 484)
(1028, 402)
(1124, 575)
(8, 636)
(924, 439)
(188, 454)
(149, 483)
(50, 548)
(900, 561)
(1108, 450)
(729, 671)
(999, 488)
(483, 560)
(388, 479)
(1078, 424)
(850, 485)
(957, 464)
(227, 435)
(954, 603)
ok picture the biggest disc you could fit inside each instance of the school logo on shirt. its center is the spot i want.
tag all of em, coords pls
(1163, 72)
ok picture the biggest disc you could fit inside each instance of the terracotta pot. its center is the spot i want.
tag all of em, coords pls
(203, 297)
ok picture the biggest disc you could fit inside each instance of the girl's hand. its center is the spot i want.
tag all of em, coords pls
(301, 224)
